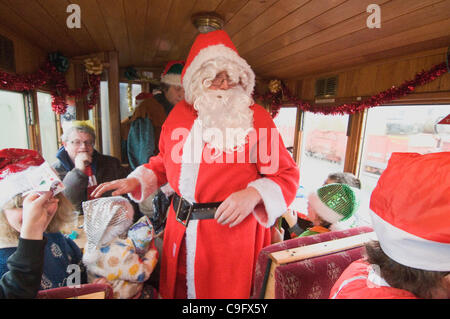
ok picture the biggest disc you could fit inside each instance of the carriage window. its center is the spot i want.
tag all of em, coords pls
(285, 122)
(47, 125)
(104, 111)
(124, 108)
(400, 129)
(12, 119)
(323, 148)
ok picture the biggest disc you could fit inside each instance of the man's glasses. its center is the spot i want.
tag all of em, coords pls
(78, 143)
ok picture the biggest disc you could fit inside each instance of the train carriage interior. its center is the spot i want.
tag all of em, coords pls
(347, 82)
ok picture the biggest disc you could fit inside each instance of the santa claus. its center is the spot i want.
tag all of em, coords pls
(225, 199)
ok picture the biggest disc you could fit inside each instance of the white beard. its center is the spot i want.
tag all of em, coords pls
(226, 118)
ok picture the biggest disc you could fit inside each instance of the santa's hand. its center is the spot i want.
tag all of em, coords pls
(237, 206)
(120, 187)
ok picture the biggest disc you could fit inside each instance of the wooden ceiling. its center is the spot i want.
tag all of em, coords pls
(279, 38)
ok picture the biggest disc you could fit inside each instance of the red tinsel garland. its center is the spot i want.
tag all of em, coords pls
(283, 96)
(56, 81)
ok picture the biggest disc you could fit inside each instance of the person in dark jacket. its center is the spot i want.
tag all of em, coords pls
(23, 279)
(80, 167)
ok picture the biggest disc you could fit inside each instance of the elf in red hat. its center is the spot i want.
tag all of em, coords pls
(230, 171)
(22, 171)
(410, 209)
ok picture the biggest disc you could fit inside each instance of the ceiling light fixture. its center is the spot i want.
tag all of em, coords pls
(207, 21)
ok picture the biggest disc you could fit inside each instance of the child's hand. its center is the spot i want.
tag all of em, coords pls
(150, 260)
(35, 215)
(291, 217)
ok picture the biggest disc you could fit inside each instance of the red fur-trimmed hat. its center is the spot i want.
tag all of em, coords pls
(208, 46)
(410, 210)
(15, 160)
(172, 73)
(15, 163)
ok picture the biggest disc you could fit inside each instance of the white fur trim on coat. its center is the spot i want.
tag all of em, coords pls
(212, 52)
(325, 212)
(144, 175)
(191, 247)
(273, 199)
(190, 162)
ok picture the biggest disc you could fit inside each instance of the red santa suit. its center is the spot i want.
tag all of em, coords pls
(219, 260)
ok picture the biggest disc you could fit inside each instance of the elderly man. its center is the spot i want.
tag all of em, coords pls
(81, 167)
(230, 171)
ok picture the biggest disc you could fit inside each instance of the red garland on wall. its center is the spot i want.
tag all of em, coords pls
(279, 94)
(56, 81)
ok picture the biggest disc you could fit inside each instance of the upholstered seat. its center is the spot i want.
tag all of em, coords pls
(85, 291)
(311, 277)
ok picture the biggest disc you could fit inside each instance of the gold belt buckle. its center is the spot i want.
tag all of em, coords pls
(183, 222)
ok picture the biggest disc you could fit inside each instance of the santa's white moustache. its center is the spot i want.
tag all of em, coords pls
(226, 118)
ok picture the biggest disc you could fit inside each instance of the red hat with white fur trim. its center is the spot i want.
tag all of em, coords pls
(23, 170)
(15, 163)
(410, 210)
(172, 73)
(208, 47)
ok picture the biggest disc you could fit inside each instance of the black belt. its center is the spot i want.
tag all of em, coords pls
(185, 211)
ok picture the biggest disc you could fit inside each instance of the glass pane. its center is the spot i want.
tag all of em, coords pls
(400, 129)
(12, 119)
(285, 122)
(323, 148)
(47, 125)
(135, 90)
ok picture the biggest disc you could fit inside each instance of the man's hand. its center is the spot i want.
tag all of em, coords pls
(82, 160)
(35, 216)
(120, 187)
(237, 206)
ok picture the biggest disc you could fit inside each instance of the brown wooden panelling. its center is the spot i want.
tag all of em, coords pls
(287, 39)
(28, 57)
(377, 77)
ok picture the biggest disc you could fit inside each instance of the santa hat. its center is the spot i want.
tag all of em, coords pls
(16, 173)
(208, 46)
(335, 203)
(172, 73)
(142, 96)
(100, 213)
(410, 210)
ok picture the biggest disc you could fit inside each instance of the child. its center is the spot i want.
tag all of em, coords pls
(115, 251)
(410, 215)
(331, 208)
(17, 167)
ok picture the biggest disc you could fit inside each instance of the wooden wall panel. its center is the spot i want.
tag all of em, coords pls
(377, 77)
(28, 57)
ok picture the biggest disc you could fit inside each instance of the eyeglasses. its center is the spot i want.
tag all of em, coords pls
(78, 143)
(220, 80)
